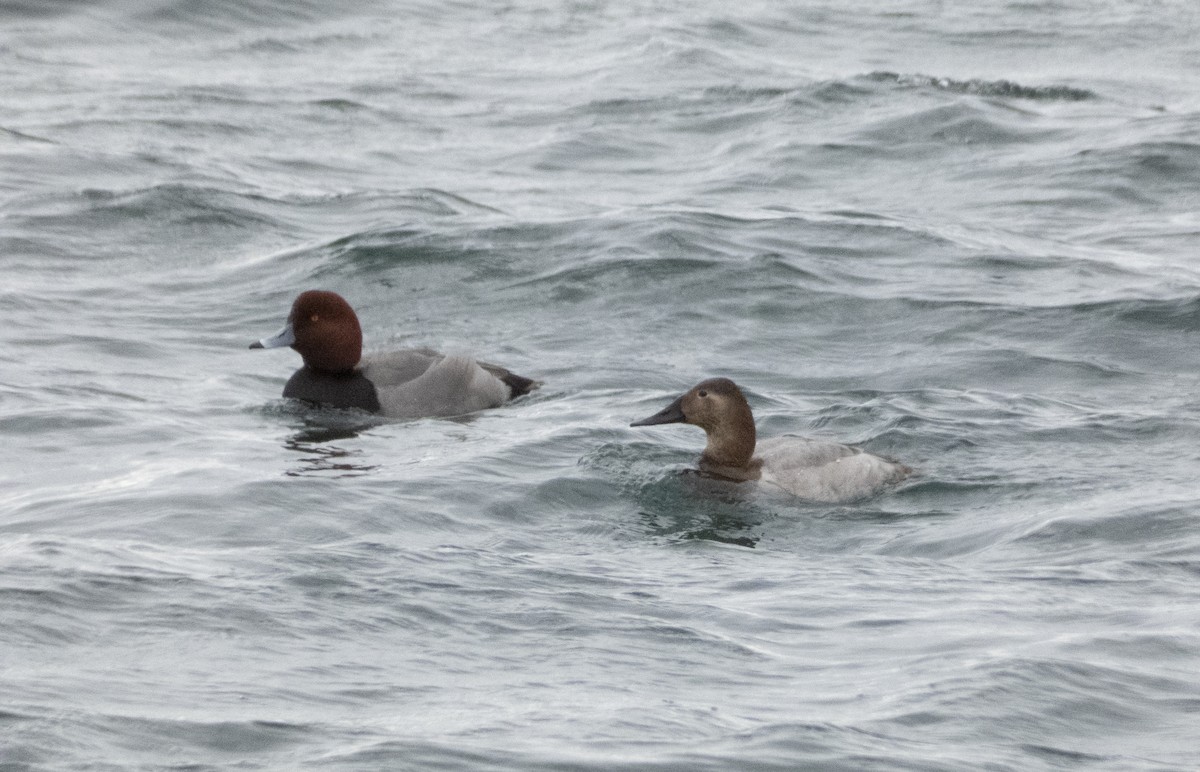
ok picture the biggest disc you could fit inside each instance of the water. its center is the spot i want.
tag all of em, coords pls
(960, 236)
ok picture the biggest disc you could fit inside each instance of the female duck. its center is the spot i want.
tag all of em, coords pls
(816, 470)
(407, 383)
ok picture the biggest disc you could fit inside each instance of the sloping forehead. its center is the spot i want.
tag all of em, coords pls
(719, 386)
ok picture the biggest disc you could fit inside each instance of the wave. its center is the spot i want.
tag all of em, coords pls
(237, 15)
(163, 15)
(13, 134)
(36, 9)
(174, 203)
(1177, 313)
(700, 103)
(1155, 173)
(987, 88)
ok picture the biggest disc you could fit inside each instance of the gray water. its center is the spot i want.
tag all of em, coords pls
(960, 235)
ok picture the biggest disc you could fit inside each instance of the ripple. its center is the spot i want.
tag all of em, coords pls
(987, 88)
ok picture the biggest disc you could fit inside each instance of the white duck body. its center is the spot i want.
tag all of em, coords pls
(824, 471)
(422, 382)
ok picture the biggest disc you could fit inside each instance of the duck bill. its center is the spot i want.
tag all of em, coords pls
(671, 414)
(285, 337)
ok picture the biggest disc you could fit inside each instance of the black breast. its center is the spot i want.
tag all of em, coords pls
(347, 390)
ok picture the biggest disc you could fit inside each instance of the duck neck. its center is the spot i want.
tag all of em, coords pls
(730, 450)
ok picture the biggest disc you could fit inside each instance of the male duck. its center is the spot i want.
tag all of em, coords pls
(407, 383)
(815, 470)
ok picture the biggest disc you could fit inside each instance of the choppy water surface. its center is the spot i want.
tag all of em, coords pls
(964, 238)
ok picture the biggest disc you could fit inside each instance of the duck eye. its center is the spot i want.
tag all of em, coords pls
(703, 393)
(314, 318)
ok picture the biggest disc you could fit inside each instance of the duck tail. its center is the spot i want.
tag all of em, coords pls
(518, 385)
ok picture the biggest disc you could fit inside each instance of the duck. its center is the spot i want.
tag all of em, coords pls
(819, 471)
(405, 383)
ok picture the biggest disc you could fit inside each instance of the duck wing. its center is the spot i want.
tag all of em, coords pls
(414, 383)
(824, 471)
(391, 368)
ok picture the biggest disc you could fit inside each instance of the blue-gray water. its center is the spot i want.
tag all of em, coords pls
(962, 235)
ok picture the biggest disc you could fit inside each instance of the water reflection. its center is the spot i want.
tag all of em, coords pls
(691, 505)
(702, 526)
(327, 461)
(319, 456)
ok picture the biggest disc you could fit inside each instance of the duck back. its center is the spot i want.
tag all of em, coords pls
(392, 368)
(823, 471)
(421, 382)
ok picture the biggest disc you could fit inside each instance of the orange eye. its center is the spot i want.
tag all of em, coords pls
(314, 317)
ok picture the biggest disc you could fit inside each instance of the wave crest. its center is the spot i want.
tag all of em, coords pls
(987, 88)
